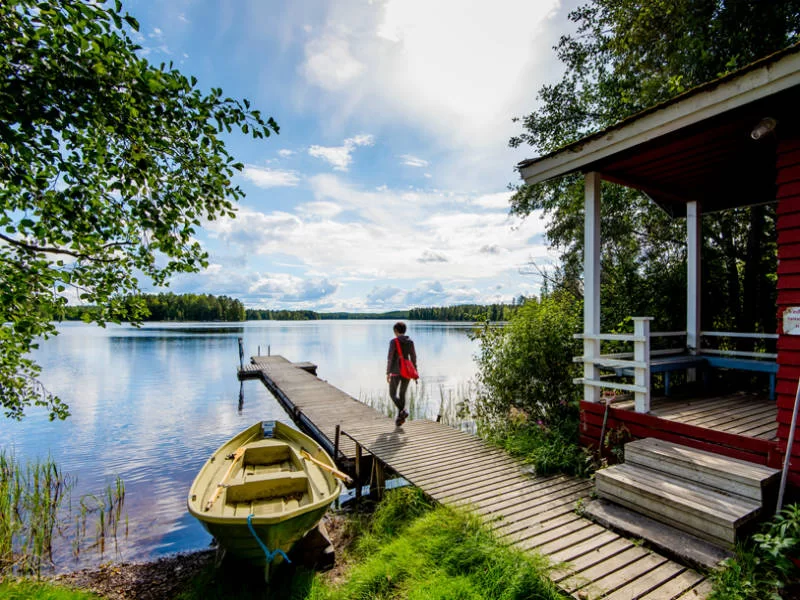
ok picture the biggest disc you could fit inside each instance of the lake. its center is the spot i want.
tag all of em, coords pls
(151, 404)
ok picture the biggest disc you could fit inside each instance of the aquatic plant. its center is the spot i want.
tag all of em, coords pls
(31, 497)
(454, 404)
(36, 509)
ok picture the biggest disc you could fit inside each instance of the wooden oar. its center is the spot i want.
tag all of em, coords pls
(236, 456)
(335, 472)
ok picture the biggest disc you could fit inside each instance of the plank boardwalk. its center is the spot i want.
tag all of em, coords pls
(529, 512)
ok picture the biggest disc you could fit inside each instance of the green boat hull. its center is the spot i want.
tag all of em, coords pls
(263, 473)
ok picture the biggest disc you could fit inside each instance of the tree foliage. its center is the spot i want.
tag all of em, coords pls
(625, 56)
(108, 164)
(526, 366)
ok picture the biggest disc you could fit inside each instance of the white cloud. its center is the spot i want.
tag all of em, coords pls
(340, 157)
(266, 178)
(330, 64)
(429, 256)
(285, 153)
(382, 235)
(324, 210)
(499, 200)
(289, 288)
(455, 70)
(413, 161)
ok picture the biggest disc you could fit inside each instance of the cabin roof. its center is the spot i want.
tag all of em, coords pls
(696, 146)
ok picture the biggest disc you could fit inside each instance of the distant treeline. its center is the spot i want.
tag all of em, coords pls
(464, 312)
(178, 307)
(259, 314)
(205, 307)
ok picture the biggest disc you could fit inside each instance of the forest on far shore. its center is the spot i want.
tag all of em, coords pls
(207, 307)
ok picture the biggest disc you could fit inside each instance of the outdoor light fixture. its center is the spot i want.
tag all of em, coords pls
(764, 126)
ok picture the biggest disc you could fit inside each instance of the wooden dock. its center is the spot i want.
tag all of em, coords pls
(455, 468)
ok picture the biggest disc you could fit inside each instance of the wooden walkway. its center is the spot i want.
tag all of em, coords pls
(457, 469)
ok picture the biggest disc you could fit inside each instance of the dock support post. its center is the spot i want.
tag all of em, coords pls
(336, 443)
(378, 480)
(241, 354)
(358, 472)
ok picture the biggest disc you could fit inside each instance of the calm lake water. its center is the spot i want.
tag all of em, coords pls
(151, 404)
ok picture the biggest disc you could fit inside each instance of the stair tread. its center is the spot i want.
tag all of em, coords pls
(732, 468)
(698, 498)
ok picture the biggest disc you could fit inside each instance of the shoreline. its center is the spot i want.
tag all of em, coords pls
(163, 577)
(167, 576)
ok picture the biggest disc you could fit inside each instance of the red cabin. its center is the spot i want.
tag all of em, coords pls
(730, 143)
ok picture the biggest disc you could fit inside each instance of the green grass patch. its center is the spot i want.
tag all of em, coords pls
(549, 448)
(408, 549)
(32, 590)
(36, 513)
(762, 568)
(415, 551)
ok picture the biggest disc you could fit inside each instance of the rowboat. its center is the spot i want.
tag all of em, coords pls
(263, 490)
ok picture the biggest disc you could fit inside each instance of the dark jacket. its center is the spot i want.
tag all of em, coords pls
(393, 362)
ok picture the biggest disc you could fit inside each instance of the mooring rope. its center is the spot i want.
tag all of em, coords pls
(270, 555)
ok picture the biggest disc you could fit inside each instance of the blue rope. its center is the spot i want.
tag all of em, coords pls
(270, 555)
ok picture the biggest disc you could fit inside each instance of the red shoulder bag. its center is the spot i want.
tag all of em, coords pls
(407, 368)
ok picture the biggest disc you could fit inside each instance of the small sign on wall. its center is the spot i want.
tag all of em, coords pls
(791, 320)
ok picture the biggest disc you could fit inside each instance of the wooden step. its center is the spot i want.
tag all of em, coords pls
(694, 508)
(729, 475)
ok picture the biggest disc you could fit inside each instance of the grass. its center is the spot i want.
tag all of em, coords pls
(31, 590)
(762, 568)
(415, 551)
(408, 549)
(31, 498)
(36, 513)
(549, 448)
(453, 404)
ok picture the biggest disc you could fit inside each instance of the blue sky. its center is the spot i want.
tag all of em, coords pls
(386, 188)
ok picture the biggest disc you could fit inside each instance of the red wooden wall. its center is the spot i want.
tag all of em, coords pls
(788, 162)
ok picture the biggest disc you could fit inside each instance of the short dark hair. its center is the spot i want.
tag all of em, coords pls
(400, 327)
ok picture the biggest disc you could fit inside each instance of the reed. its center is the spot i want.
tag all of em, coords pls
(106, 512)
(36, 512)
(31, 499)
(454, 403)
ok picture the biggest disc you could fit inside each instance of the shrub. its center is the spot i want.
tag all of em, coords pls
(525, 369)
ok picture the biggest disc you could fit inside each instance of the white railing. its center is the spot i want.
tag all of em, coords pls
(741, 353)
(593, 359)
(639, 361)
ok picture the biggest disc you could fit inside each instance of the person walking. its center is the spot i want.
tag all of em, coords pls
(397, 383)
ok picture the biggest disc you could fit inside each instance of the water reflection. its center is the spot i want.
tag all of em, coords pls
(151, 404)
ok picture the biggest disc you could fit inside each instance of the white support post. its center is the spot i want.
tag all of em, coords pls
(641, 353)
(591, 282)
(693, 251)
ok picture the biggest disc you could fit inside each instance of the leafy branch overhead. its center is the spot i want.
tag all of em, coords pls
(622, 57)
(108, 165)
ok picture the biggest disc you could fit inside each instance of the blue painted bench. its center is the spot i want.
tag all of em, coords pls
(681, 362)
(746, 364)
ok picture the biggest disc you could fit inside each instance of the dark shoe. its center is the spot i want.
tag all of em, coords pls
(401, 418)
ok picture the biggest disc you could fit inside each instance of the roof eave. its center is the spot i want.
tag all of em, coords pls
(708, 101)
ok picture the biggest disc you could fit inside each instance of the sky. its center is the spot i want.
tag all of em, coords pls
(387, 187)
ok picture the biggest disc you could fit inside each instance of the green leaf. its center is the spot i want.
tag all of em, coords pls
(133, 23)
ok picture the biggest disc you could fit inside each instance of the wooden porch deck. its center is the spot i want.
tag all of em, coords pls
(741, 413)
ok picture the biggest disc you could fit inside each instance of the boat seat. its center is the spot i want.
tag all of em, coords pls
(266, 452)
(273, 485)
